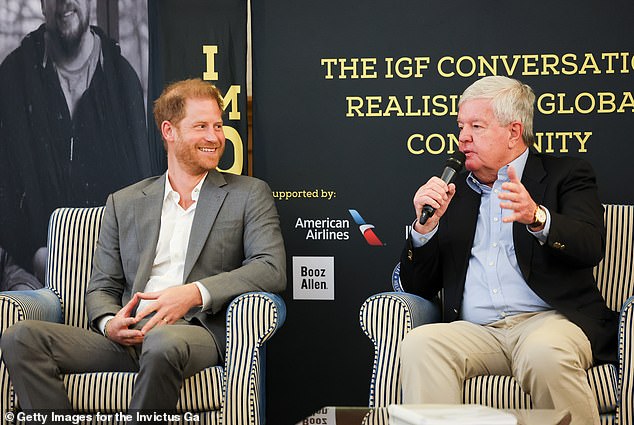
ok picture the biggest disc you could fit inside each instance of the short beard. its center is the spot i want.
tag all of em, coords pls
(70, 41)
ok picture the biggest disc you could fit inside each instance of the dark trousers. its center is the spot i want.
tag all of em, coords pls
(36, 353)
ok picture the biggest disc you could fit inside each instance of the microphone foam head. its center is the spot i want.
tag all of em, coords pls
(456, 161)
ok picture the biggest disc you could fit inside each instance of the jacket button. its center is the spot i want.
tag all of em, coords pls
(410, 255)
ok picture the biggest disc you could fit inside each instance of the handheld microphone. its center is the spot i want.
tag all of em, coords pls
(452, 167)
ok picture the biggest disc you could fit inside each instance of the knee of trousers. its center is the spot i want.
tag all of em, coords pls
(420, 342)
(545, 362)
(19, 340)
(163, 347)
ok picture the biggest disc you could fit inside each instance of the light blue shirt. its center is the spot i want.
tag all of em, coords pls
(495, 287)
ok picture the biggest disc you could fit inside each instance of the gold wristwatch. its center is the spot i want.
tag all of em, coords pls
(539, 218)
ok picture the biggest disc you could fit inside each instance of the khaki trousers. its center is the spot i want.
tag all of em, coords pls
(545, 352)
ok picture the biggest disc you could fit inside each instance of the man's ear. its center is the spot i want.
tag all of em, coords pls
(167, 131)
(516, 129)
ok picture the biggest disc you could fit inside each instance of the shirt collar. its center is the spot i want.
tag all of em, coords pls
(518, 163)
(171, 193)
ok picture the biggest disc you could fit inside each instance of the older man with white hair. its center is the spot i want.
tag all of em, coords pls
(512, 244)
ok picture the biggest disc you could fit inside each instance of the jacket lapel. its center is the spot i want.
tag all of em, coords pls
(533, 179)
(147, 213)
(212, 195)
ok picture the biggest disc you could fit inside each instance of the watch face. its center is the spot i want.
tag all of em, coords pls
(540, 215)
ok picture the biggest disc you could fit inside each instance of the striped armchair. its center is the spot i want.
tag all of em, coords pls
(387, 317)
(232, 394)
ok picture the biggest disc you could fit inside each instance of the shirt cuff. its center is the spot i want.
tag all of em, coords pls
(101, 325)
(419, 239)
(542, 235)
(205, 295)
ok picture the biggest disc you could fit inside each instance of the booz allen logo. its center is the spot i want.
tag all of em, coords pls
(366, 229)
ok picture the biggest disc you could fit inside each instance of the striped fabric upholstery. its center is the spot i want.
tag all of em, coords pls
(72, 237)
(110, 392)
(385, 319)
(258, 315)
(405, 312)
(233, 392)
(626, 366)
(504, 391)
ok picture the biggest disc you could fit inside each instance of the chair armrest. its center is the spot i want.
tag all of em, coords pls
(385, 318)
(625, 411)
(40, 304)
(378, 416)
(252, 319)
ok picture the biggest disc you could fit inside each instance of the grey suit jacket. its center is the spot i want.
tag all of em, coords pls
(235, 246)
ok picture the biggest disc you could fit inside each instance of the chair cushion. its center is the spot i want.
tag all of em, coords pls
(604, 383)
(505, 393)
(110, 392)
(502, 392)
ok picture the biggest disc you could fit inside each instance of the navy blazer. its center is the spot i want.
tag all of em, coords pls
(560, 271)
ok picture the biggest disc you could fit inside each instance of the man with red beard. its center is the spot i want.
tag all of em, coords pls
(72, 125)
(173, 251)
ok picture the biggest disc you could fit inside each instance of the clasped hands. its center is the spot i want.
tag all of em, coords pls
(169, 305)
(439, 194)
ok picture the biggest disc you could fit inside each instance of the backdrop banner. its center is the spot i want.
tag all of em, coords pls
(204, 39)
(69, 142)
(355, 107)
(72, 125)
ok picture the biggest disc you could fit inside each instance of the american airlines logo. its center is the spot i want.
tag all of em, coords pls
(367, 230)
